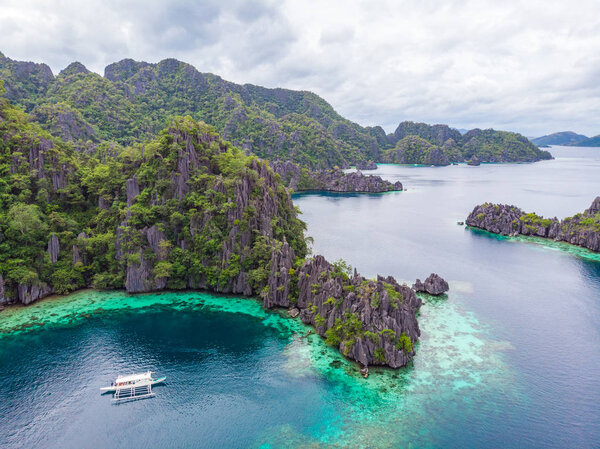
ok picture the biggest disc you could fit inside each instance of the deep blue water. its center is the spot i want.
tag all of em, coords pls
(510, 359)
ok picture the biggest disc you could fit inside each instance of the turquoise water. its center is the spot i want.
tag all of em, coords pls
(509, 359)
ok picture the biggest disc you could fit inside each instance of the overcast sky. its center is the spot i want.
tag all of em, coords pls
(529, 66)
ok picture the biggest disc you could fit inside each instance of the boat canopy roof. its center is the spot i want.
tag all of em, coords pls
(134, 377)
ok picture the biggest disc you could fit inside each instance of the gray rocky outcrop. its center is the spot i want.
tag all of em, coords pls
(282, 263)
(581, 229)
(595, 207)
(132, 190)
(366, 165)
(371, 321)
(474, 161)
(53, 248)
(139, 275)
(433, 285)
(334, 180)
(28, 293)
(3, 296)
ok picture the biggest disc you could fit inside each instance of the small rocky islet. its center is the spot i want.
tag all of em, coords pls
(582, 229)
(332, 180)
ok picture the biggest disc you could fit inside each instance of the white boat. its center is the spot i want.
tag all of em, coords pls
(134, 381)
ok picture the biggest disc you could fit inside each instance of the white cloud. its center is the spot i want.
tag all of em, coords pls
(531, 66)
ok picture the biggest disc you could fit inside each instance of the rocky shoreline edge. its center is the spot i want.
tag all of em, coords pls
(334, 180)
(582, 229)
(370, 321)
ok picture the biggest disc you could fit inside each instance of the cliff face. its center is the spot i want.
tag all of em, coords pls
(370, 321)
(366, 165)
(299, 178)
(581, 229)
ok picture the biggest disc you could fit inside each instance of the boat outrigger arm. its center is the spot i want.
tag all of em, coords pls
(135, 386)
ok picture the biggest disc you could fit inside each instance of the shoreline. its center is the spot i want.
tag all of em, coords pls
(547, 243)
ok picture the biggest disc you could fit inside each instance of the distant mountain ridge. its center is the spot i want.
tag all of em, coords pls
(567, 138)
(134, 100)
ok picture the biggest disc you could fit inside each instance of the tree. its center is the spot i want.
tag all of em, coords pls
(26, 219)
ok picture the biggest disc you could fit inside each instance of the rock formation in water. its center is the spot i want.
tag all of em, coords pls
(582, 229)
(433, 285)
(371, 321)
(366, 165)
(299, 178)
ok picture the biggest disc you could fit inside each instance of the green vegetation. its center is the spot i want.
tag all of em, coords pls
(419, 143)
(533, 220)
(135, 100)
(380, 355)
(47, 188)
(346, 332)
(395, 296)
(580, 223)
(404, 342)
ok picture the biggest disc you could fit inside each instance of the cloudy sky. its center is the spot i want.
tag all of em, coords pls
(530, 66)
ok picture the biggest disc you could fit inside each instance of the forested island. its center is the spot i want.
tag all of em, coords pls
(581, 229)
(135, 100)
(184, 210)
(419, 143)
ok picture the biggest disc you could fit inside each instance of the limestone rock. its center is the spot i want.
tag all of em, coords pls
(53, 248)
(3, 298)
(510, 220)
(366, 165)
(595, 207)
(383, 313)
(27, 293)
(433, 285)
(279, 281)
(332, 180)
(132, 190)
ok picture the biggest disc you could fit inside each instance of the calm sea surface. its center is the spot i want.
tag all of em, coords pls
(511, 358)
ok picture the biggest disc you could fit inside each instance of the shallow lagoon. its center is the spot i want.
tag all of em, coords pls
(509, 359)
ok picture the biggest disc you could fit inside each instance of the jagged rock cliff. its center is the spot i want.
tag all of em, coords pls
(433, 285)
(299, 178)
(371, 321)
(366, 165)
(581, 229)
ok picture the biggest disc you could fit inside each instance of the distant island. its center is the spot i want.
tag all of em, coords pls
(582, 229)
(567, 138)
(135, 100)
(420, 143)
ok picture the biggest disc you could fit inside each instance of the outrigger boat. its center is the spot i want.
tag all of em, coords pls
(135, 386)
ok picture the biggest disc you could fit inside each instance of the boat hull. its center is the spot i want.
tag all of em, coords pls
(114, 388)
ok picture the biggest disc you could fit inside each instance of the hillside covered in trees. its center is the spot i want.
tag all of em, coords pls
(135, 100)
(183, 210)
(419, 143)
